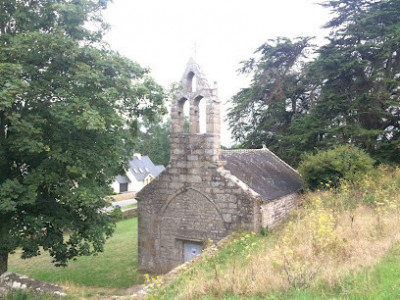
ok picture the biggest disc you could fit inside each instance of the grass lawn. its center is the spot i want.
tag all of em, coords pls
(115, 268)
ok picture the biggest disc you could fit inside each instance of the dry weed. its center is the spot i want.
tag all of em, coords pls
(336, 232)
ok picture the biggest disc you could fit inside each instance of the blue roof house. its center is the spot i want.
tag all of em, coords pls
(141, 172)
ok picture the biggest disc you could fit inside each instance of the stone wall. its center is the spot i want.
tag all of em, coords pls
(274, 213)
(12, 281)
(129, 213)
(124, 196)
(193, 200)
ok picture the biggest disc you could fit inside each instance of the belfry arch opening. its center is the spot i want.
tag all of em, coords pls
(197, 108)
(186, 116)
(192, 115)
(183, 115)
(200, 114)
(191, 83)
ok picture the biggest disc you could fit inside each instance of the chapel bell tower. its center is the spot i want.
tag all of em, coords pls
(195, 88)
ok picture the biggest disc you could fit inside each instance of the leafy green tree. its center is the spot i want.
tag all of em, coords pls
(154, 141)
(68, 110)
(327, 168)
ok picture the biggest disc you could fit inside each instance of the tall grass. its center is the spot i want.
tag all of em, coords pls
(329, 239)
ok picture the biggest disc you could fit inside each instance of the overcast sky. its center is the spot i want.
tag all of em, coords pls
(218, 34)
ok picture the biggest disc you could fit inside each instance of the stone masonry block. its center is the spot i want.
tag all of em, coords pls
(178, 151)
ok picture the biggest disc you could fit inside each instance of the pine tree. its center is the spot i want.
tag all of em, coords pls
(359, 79)
(276, 97)
(349, 94)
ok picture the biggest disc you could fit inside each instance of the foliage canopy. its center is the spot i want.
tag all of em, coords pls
(154, 141)
(68, 112)
(346, 92)
(327, 168)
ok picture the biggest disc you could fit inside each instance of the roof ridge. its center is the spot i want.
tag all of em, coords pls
(246, 150)
(262, 150)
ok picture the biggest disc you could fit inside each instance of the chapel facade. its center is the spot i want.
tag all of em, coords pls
(206, 193)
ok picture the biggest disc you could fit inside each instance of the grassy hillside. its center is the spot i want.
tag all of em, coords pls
(339, 243)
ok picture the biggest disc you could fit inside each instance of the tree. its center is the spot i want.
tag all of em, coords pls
(346, 13)
(262, 113)
(359, 70)
(327, 168)
(154, 141)
(348, 94)
(68, 111)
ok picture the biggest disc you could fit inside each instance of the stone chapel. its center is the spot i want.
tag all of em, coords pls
(206, 193)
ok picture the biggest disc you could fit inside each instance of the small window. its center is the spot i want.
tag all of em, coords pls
(140, 170)
(147, 169)
(135, 170)
(123, 187)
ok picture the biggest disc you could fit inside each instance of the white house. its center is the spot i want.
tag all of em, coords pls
(141, 171)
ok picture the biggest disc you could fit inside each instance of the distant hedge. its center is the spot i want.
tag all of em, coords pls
(326, 168)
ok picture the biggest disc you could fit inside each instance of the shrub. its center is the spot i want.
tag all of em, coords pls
(326, 168)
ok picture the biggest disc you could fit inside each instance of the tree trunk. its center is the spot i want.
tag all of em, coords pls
(3, 262)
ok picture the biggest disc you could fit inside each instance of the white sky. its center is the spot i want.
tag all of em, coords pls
(162, 34)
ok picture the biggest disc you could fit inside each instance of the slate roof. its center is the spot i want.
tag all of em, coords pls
(140, 168)
(262, 171)
(122, 179)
